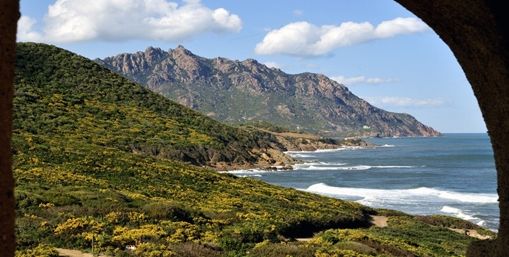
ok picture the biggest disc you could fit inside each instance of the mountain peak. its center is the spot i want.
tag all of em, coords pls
(182, 50)
(152, 49)
(237, 91)
(153, 54)
(250, 61)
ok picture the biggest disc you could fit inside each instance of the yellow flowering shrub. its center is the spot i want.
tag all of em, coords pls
(40, 250)
(136, 217)
(78, 225)
(339, 253)
(183, 232)
(125, 236)
(113, 217)
(154, 250)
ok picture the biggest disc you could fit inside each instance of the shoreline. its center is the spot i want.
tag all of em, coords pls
(442, 200)
(292, 144)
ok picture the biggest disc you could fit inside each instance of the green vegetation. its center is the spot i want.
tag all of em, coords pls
(259, 124)
(90, 173)
(405, 236)
(60, 93)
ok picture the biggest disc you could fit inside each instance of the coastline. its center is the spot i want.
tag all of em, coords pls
(273, 159)
(402, 174)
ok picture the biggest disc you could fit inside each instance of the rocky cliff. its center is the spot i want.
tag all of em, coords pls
(240, 91)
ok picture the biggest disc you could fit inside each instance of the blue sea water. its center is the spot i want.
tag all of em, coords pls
(453, 174)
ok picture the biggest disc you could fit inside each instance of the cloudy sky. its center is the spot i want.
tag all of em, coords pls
(382, 52)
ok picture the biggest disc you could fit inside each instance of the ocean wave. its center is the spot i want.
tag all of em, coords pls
(340, 166)
(460, 214)
(357, 167)
(317, 151)
(316, 163)
(300, 155)
(249, 175)
(247, 171)
(326, 150)
(422, 194)
(386, 145)
(457, 196)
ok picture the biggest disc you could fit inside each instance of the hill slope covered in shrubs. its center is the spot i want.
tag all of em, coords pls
(90, 172)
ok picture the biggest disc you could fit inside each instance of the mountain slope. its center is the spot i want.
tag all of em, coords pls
(78, 177)
(79, 184)
(240, 91)
(80, 96)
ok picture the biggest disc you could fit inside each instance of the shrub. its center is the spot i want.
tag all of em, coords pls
(167, 211)
(39, 251)
(282, 250)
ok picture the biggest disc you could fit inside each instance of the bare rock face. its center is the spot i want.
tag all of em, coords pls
(241, 91)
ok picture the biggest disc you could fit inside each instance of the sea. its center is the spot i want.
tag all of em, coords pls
(453, 174)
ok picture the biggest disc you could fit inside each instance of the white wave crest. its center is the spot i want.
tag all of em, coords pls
(249, 175)
(460, 214)
(457, 196)
(457, 212)
(343, 148)
(339, 149)
(423, 194)
(248, 171)
(387, 145)
(299, 166)
(357, 167)
(300, 155)
(340, 166)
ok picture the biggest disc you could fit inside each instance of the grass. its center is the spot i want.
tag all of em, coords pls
(93, 168)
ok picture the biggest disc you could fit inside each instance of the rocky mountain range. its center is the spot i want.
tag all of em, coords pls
(247, 91)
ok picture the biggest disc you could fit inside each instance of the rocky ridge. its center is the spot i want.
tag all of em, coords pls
(242, 91)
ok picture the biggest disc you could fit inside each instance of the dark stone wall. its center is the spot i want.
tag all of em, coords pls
(9, 13)
(477, 33)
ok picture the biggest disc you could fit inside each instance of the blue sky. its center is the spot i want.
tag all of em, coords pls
(377, 48)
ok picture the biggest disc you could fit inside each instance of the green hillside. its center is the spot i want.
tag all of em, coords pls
(64, 94)
(92, 171)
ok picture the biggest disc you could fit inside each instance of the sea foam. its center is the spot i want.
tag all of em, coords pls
(343, 148)
(357, 167)
(341, 166)
(415, 194)
(460, 214)
(247, 171)
(301, 155)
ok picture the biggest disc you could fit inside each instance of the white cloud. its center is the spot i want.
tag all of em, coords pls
(306, 39)
(272, 65)
(77, 20)
(360, 80)
(405, 101)
(25, 33)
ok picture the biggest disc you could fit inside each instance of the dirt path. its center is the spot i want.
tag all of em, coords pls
(379, 221)
(74, 253)
(470, 233)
